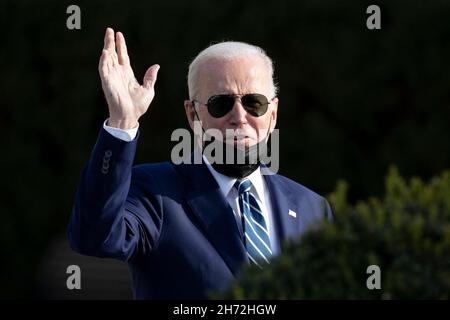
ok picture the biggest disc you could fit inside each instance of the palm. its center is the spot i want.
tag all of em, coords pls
(125, 91)
(126, 98)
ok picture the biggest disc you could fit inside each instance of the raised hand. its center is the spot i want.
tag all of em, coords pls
(127, 99)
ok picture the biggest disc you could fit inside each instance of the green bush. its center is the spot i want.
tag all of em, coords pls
(406, 233)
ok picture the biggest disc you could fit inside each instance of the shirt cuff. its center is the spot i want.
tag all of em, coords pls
(125, 135)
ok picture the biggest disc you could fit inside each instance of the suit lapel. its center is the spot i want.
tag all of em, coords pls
(214, 214)
(281, 204)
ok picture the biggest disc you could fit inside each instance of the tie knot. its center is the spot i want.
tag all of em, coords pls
(243, 185)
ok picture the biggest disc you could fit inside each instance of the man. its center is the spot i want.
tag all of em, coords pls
(187, 229)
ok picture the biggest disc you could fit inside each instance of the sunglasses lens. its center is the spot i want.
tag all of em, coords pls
(220, 105)
(255, 104)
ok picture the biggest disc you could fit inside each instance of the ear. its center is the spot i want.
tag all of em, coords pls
(190, 114)
(273, 113)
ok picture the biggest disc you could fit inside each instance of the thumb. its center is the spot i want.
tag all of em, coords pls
(150, 76)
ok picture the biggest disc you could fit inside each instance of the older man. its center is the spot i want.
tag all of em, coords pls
(187, 229)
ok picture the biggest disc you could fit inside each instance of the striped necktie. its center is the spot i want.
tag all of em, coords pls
(256, 235)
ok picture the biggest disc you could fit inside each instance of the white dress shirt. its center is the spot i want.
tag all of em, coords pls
(125, 135)
(259, 188)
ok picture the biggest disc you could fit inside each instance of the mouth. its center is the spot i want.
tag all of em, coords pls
(238, 136)
(241, 142)
(237, 140)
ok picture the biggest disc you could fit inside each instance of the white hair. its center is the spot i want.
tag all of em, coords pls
(226, 51)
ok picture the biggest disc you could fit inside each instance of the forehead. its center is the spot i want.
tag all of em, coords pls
(244, 74)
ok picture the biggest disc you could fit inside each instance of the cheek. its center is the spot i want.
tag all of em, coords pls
(213, 123)
(260, 125)
(220, 124)
(261, 122)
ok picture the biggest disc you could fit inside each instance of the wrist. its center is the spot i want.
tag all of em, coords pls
(124, 124)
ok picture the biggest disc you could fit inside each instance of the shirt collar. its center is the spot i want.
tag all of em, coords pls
(226, 183)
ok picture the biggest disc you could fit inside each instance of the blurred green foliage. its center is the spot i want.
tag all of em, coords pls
(406, 233)
(352, 101)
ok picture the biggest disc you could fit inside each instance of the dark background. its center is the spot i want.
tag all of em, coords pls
(352, 102)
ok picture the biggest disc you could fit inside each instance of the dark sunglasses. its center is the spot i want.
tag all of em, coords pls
(219, 105)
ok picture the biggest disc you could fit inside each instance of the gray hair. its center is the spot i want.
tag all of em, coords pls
(227, 51)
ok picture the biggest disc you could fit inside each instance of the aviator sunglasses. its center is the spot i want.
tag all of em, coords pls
(219, 105)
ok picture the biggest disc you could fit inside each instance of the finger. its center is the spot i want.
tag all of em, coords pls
(102, 65)
(108, 59)
(109, 40)
(111, 57)
(122, 49)
(101, 61)
(150, 76)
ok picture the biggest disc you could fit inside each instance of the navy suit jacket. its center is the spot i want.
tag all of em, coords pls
(171, 223)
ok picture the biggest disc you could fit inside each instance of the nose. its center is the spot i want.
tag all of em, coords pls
(238, 114)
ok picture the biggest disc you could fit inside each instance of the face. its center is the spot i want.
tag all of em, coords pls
(238, 76)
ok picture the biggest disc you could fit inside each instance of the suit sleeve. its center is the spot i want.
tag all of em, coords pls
(113, 216)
